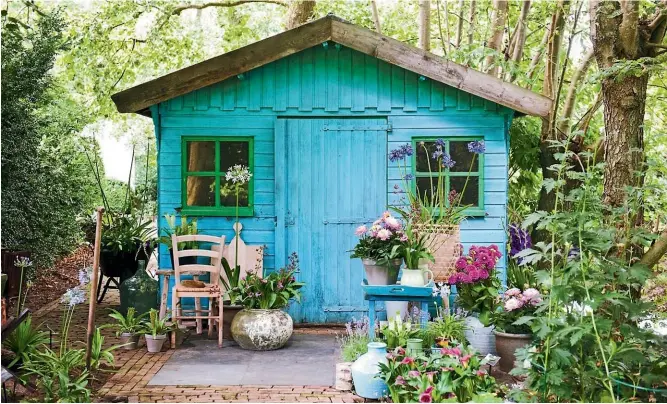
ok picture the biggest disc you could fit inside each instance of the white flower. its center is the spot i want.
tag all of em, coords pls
(384, 234)
(238, 174)
(392, 223)
(84, 276)
(22, 262)
(512, 304)
(74, 296)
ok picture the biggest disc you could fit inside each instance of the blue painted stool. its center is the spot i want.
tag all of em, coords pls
(396, 293)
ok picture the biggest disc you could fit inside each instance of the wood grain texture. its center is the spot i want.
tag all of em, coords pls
(330, 28)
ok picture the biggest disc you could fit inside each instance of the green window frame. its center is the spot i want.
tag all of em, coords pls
(478, 210)
(218, 209)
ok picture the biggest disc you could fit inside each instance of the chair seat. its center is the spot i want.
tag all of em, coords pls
(208, 288)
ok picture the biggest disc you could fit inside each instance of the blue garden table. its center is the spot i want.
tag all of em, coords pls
(396, 293)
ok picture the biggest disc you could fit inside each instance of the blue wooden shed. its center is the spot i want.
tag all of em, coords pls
(313, 112)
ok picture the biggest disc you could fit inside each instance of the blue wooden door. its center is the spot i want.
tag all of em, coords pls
(331, 177)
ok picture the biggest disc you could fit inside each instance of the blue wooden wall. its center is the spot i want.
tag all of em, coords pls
(328, 83)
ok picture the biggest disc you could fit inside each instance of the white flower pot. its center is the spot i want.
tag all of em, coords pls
(481, 338)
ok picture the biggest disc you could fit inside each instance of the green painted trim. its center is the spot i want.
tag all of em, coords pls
(478, 210)
(217, 210)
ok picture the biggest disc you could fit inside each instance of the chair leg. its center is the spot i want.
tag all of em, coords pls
(211, 316)
(220, 324)
(198, 313)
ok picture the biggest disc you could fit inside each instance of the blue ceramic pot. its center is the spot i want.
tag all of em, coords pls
(366, 372)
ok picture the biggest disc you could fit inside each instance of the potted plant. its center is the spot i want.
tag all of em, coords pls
(232, 300)
(126, 239)
(376, 248)
(446, 330)
(262, 325)
(184, 229)
(155, 330)
(129, 327)
(478, 287)
(511, 334)
(414, 251)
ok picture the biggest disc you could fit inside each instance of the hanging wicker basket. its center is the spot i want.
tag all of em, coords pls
(444, 242)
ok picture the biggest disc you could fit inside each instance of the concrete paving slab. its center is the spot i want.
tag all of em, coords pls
(306, 360)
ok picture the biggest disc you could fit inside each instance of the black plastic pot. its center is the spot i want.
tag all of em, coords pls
(182, 260)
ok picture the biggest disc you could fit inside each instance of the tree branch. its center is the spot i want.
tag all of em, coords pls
(629, 33)
(575, 80)
(655, 252)
(376, 16)
(179, 9)
(656, 45)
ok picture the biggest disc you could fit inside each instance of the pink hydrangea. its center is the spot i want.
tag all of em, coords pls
(361, 230)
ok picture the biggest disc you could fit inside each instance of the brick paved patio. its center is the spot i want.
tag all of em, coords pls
(136, 368)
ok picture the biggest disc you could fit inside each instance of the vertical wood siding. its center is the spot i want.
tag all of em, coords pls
(329, 83)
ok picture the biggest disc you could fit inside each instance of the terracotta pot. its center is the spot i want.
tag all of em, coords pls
(507, 344)
(129, 341)
(381, 274)
(262, 330)
(228, 314)
(154, 345)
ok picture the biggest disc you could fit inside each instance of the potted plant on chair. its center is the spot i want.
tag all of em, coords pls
(262, 325)
(155, 331)
(129, 327)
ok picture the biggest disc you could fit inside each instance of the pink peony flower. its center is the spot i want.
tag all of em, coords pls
(360, 230)
(404, 238)
(384, 234)
(512, 292)
(392, 223)
(531, 293)
(513, 303)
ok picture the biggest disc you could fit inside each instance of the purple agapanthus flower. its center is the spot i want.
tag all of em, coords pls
(395, 155)
(447, 161)
(519, 240)
(440, 143)
(476, 147)
(406, 149)
(408, 177)
(437, 153)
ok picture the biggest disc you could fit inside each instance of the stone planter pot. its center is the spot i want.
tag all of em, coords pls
(381, 274)
(154, 345)
(507, 344)
(343, 376)
(228, 314)
(481, 338)
(262, 330)
(129, 341)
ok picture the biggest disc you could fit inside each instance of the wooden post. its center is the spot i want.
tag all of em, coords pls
(93, 286)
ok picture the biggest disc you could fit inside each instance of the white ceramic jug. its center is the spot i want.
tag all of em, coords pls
(415, 277)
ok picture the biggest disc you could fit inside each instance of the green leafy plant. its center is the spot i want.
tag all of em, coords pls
(447, 329)
(61, 375)
(515, 305)
(451, 375)
(353, 346)
(24, 342)
(155, 325)
(397, 332)
(231, 281)
(274, 291)
(99, 355)
(186, 228)
(413, 248)
(131, 323)
(126, 233)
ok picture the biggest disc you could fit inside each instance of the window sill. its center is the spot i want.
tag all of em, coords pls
(225, 212)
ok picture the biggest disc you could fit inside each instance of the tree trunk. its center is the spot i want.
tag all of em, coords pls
(425, 24)
(624, 105)
(471, 19)
(376, 16)
(517, 45)
(299, 12)
(459, 24)
(495, 41)
(564, 124)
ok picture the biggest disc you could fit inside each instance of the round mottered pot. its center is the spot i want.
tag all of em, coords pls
(262, 330)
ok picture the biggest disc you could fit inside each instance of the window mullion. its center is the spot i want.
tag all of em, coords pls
(217, 173)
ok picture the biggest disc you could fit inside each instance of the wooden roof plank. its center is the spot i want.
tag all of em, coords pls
(211, 71)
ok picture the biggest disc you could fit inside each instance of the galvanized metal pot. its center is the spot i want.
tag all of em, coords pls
(507, 344)
(129, 341)
(262, 330)
(381, 274)
(154, 344)
(481, 338)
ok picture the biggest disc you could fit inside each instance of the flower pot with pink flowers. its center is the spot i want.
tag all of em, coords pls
(376, 249)
(511, 331)
(478, 287)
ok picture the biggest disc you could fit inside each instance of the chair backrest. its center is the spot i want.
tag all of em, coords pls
(215, 255)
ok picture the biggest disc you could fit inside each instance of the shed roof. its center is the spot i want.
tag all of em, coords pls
(330, 28)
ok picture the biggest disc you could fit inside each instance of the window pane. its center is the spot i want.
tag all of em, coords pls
(424, 189)
(228, 193)
(471, 195)
(201, 156)
(200, 191)
(232, 153)
(424, 159)
(459, 153)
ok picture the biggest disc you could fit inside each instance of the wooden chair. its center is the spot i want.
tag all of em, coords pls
(211, 290)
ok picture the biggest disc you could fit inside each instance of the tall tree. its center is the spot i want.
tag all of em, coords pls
(495, 41)
(425, 24)
(626, 47)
